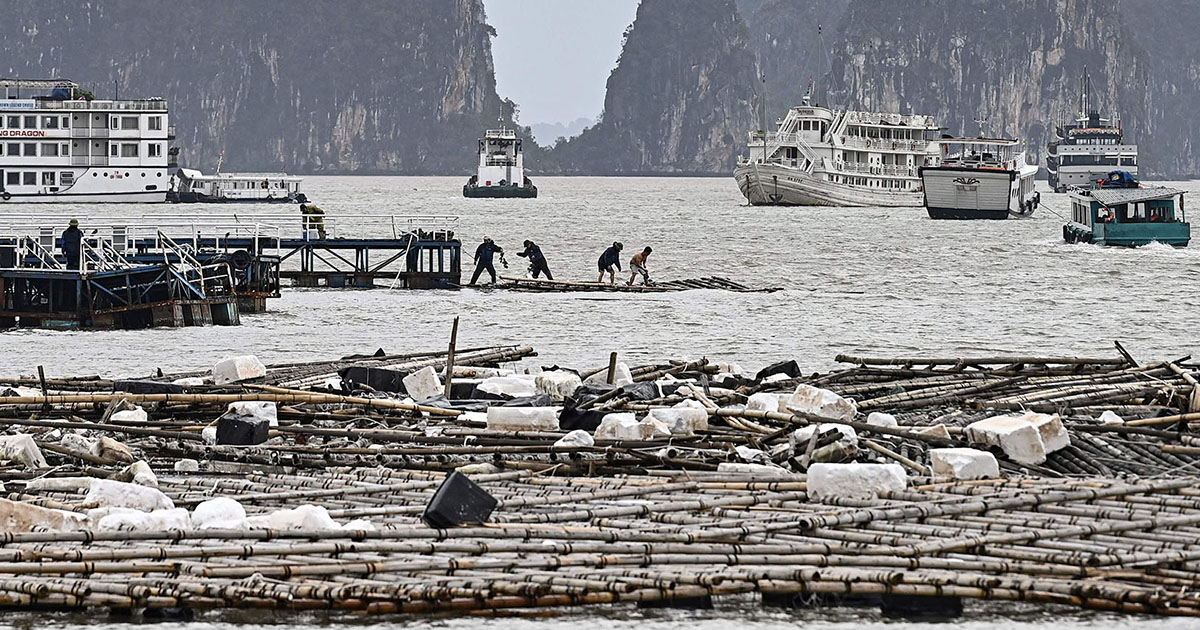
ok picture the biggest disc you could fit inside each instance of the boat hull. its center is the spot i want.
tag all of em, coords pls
(1129, 234)
(192, 197)
(500, 192)
(772, 185)
(958, 193)
(137, 196)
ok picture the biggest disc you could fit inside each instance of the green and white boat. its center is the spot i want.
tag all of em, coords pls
(1121, 213)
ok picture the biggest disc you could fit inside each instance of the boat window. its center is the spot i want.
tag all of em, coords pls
(112, 150)
(129, 122)
(66, 122)
(153, 150)
(31, 122)
(50, 122)
(67, 178)
(30, 148)
(113, 122)
(155, 123)
(129, 150)
(12, 179)
(48, 178)
(29, 179)
(14, 148)
(66, 149)
(14, 122)
(49, 149)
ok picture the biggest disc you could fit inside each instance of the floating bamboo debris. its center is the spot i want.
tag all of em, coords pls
(1108, 522)
(512, 283)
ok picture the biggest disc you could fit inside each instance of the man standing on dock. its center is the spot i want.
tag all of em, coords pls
(637, 265)
(537, 261)
(72, 244)
(609, 259)
(313, 217)
(483, 259)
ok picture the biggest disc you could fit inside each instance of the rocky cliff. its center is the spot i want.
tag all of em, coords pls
(792, 42)
(303, 85)
(680, 99)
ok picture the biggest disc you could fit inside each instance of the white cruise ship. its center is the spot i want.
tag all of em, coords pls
(823, 157)
(980, 178)
(1083, 153)
(60, 145)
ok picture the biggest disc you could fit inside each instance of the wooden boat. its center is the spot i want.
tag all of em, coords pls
(1124, 214)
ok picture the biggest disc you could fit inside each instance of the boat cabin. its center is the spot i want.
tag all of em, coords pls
(990, 153)
(501, 161)
(1128, 217)
(192, 185)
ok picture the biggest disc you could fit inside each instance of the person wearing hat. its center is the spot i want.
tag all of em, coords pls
(609, 259)
(483, 259)
(72, 242)
(537, 260)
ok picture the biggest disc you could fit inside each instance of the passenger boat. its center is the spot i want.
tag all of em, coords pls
(191, 186)
(1121, 213)
(59, 144)
(980, 178)
(824, 157)
(1085, 151)
(501, 171)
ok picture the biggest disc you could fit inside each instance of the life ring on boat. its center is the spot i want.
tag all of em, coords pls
(264, 184)
(7, 195)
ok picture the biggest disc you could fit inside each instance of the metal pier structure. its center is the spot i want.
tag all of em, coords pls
(110, 291)
(262, 249)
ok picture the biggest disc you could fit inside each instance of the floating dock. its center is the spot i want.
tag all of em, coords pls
(140, 508)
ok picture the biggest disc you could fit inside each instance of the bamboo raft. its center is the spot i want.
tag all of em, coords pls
(1109, 523)
(513, 283)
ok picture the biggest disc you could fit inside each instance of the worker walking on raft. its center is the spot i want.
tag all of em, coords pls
(537, 261)
(483, 259)
(609, 259)
(637, 265)
(312, 217)
(72, 244)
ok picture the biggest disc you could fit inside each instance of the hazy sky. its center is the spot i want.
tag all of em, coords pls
(553, 56)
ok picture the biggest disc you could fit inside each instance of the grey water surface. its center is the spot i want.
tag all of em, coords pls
(873, 281)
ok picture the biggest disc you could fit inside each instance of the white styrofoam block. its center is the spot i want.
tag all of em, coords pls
(209, 434)
(188, 381)
(764, 401)
(236, 369)
(800, 437)
(17, 516)
(558, 384)
(254, 411)
(139, 472)
(822, 403)
(755, 469)
(654, 429)
(22, 448)
(1050, 426)
(937, 431)
(854, 480)
(137, 414)
(109, 493)
(774, 378)
(1108, 417)
(690, 404)
(112, 449)
(468, 371)
(1018, 438)
(514, 386)
(682, 421)
(522, 418)
(187, 465)
(880, 419)
(219, 513)
(423, 384)
(578, 437)
(619, 426)
(130, 520)
(304, 517)
(77, 442)
(752, 455)
(963, 463)
(484, 468)
(622, 376)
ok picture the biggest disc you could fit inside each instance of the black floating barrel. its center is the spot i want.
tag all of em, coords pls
(458, 501)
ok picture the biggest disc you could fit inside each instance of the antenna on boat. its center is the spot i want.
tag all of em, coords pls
(762, 111)
(219, 160)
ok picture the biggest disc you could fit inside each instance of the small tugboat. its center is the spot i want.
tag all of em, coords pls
(980, 178)
(1121, 213)
(501, 168)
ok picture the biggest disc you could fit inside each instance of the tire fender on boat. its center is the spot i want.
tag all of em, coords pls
(6, 195)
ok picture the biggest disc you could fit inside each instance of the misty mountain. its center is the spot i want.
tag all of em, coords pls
(548, 133)
(303, 85)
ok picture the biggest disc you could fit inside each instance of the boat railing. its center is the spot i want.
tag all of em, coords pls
(139, 105)
(868, 168)
(882, 144)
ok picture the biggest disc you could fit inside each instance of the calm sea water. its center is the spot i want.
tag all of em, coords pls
(867, 280)
(870, 281)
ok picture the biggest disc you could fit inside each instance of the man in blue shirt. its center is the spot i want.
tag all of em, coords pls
(483, 259)
(537, 261)
(609, 259)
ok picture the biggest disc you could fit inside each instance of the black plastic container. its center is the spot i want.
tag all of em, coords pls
(242, 431)
(458, 501)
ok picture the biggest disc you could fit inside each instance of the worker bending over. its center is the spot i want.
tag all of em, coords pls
(637, 265)
(608, 260)
(537, 261)
(313, 217)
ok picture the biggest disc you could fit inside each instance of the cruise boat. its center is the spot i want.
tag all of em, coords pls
(980, 178)
(58, 144)
(192, 186)
(1084, 152)
(1122, 213)
(501, 171)
(824, 157)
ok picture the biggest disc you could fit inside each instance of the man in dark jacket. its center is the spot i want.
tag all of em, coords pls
(537, 261)
(483, 259)
(72, 240)
(609, 259)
